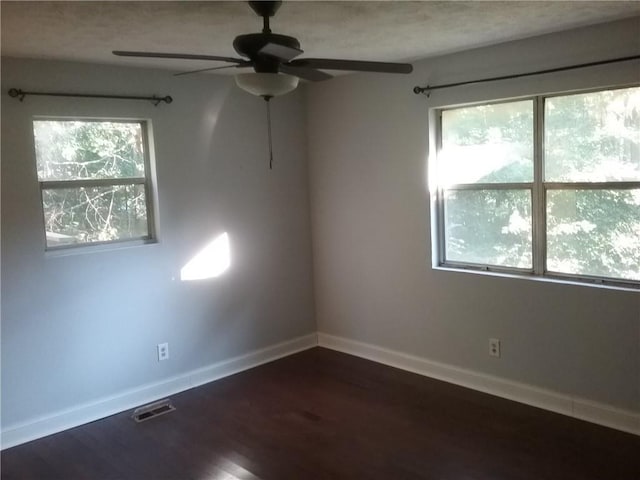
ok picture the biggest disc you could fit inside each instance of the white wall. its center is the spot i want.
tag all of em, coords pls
(83, 327)
(368, 147)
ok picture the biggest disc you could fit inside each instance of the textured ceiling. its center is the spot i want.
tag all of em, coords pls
(387, 30)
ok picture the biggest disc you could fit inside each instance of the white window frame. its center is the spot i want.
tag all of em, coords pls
(538, 189)
(104, 182)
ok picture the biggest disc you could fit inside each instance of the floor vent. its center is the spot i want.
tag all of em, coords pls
(152, 410)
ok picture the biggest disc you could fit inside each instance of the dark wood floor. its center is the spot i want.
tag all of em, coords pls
(324, 415)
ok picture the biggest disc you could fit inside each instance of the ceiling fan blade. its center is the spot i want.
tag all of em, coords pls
(246, 64)
(184, 56)
(354, 65)
(281, 52)
(305, 73)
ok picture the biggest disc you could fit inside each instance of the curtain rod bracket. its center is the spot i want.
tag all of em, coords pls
(15, 93)
(156, 100)
(422, 90)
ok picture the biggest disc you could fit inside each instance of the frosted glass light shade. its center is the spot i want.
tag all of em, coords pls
(266, 84)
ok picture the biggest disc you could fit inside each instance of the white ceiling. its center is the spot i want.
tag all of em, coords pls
(88, 31)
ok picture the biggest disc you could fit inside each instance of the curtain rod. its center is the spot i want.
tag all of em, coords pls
(20, 94)
(427, 90)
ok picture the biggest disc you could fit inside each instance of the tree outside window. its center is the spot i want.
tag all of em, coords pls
(558, 197)
(94, 180)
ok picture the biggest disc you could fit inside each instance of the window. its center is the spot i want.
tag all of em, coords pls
(547, 186)
(94, 181)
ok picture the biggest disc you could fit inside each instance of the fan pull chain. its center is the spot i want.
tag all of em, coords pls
(267, 98)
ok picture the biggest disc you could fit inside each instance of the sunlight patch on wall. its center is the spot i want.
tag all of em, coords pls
(212, 261)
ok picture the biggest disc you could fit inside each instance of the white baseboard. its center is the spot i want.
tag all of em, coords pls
(80, 414)
(88, 412)
(589, 411)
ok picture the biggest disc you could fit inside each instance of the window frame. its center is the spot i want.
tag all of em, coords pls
(538, 190)
(146, 181)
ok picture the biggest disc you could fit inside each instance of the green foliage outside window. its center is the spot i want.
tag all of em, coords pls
(591, 184)
(92, 177)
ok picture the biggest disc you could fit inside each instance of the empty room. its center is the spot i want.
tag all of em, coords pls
(320, 240)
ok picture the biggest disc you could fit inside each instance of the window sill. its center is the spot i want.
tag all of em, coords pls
(545, 279)
(97, 247)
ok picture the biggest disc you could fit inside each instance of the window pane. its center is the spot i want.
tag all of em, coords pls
(94, 214)
(594, 232)
(490, 227)
(487, 144)
(71, 150)
(593, 137)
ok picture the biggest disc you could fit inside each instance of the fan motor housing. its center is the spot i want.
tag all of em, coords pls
(249, 46)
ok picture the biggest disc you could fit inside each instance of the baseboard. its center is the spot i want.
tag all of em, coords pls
(88, 412)
(576, 407)
(129, 399)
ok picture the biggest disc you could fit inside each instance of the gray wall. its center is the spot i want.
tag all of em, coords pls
(368, 148)
(82, 327)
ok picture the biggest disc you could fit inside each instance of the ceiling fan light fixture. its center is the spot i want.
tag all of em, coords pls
(266, 84)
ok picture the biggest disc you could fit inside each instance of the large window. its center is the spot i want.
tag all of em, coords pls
(94, 181)
(546, 186)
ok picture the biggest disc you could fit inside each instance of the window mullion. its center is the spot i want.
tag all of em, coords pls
(148, 186)
(613, 185)
(538, 192)
(88, 183)
(490, 186)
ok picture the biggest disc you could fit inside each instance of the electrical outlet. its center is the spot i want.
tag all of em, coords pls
(163, 351)
(494, 347)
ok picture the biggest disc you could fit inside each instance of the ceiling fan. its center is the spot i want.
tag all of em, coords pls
(273, 59)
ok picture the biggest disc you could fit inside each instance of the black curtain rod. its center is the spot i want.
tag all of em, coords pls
(427, 90)
(20, 94)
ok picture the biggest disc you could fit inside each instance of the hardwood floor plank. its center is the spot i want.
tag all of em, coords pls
(321, 414)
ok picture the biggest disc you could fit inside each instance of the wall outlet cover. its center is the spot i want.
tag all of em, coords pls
(163, 351)
(494, 347)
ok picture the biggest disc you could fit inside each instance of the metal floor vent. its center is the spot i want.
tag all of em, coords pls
(152, 410)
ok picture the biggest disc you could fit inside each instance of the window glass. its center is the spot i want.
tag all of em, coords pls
(487, 144)
(72, 150)
(491, 227)
(593, 137)
(94, 214)
(594, 232)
